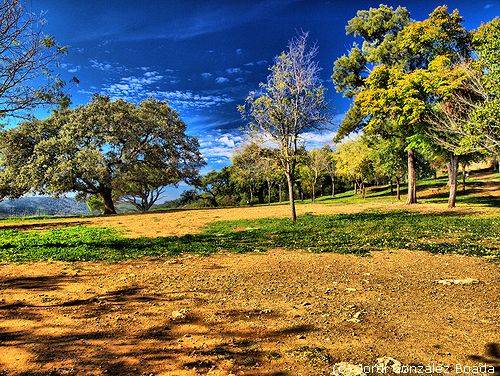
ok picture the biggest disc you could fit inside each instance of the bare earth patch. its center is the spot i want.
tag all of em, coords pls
(275, 313)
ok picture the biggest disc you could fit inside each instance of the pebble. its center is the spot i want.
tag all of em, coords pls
(179, 315)
(387, 362)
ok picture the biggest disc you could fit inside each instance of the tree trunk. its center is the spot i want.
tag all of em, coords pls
(269, 192)
(313, 191)
(107, 198)
(363, 189)
(398, 188)
(412, 179)
(463, 178)
(291, 193)
(453, 171)
(355, 188)
(333, 185)
(251, 195)
(279, 193)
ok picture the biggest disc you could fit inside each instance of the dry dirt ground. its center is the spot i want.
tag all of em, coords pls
(274, 313)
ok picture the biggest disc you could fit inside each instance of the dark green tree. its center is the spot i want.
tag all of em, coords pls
(105, 148)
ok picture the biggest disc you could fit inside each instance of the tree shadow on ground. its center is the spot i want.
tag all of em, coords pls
(42, 226)
(121, 349)
(491, 357)
(48, 283)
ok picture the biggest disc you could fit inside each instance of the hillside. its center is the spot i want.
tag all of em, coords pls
(41, 205)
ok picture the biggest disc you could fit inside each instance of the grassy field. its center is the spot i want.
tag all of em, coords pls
(358, 233)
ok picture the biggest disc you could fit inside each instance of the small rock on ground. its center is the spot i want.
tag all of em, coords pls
(387, 364)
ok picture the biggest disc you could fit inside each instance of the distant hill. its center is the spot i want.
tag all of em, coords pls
(41, 205)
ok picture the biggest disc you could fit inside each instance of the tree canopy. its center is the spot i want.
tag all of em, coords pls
(106, 148)
(28, 58)
(290, 103)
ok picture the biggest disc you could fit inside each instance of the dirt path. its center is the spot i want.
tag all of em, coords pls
(275, 313)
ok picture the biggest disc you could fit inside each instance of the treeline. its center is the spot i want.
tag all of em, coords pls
(256, 176)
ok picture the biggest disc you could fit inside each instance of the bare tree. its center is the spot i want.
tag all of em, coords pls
(318, 161)
(290, 103)
(331, 168)
(145, 199)
(26, 58)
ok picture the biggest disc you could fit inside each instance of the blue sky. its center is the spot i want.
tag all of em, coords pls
(205, 56)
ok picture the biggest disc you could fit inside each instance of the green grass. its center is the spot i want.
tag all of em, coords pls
(383, 194)
(358, 233)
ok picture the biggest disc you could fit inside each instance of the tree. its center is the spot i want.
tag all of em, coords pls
(397, 50)
(290, 103)
(467, 119)
(95, 204)
(319, 161)
(354, 162)
(331, 167)
(247, 171)
(103, 148)
(389, 159)
(217, 184)
(305, 179)
(271, 171)
(28, 56)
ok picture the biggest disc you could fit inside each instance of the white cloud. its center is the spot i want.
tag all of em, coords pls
(132, 87)
(137, 88)
(188, 99)
(71, 68)
(318, 139)
(239, 51)
(219, 145)
(233, 70)
(104, 66)
(221, 80)
(206, 75)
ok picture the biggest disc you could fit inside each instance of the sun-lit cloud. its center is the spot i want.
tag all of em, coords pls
(139, 87)
(233, 70)
(220, 145)
(104, 66)
(221, 80)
